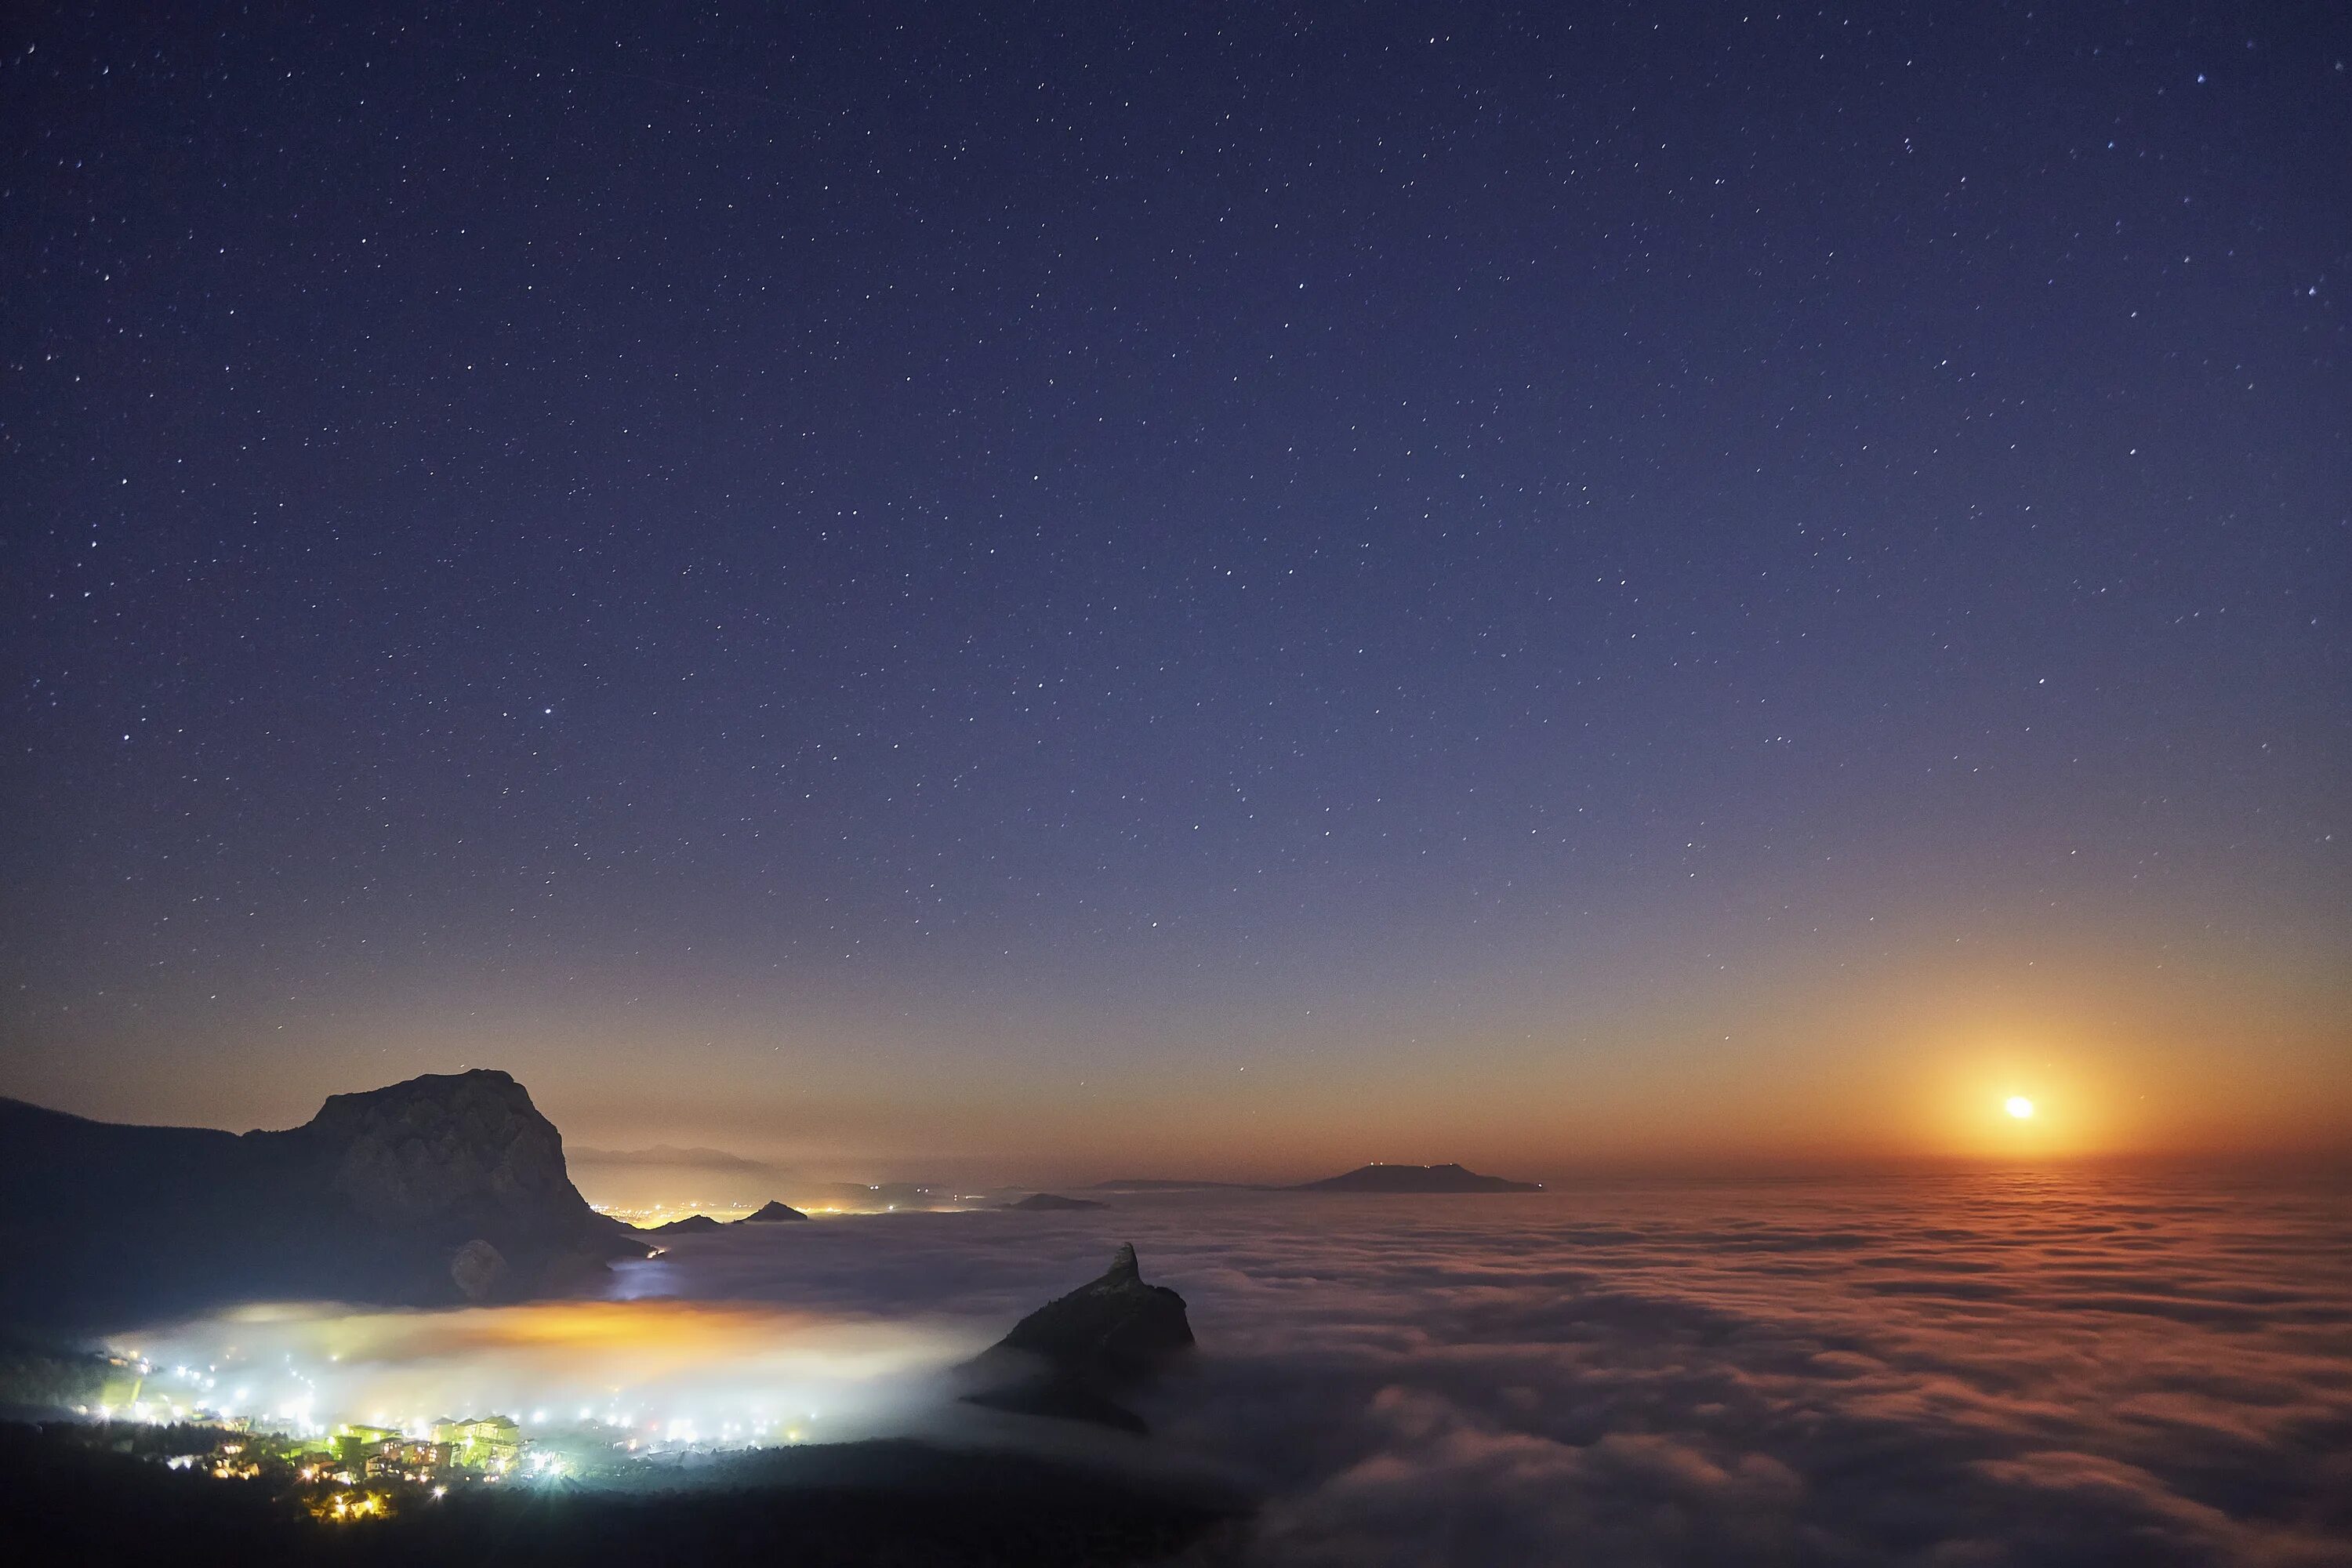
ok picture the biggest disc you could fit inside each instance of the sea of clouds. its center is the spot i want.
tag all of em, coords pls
(2053, 1369)
(2075, 1368)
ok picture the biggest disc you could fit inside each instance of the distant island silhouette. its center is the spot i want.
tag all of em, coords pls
(1415, 1178)
(1042, 1202)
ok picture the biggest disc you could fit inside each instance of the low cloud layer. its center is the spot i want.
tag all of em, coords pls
(1996, 1371)
(2022, 1370)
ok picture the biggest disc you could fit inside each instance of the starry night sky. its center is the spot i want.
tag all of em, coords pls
(1142, 589)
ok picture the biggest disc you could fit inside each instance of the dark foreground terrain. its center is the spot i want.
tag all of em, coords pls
(68, 1496)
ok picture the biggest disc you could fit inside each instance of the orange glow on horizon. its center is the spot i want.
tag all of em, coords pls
(1911, 1061)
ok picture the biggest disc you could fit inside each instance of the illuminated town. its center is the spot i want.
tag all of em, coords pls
(834, 1198)
(354, 1471)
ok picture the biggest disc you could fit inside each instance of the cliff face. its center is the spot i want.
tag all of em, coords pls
(441, 1149)
(445, 1188)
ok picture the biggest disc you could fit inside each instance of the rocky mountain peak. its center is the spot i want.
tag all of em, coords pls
(1072, 1357)
(447, 1145)
(447, 1187)
(1112, 1330)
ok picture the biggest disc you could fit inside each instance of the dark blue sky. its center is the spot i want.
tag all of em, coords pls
(687, 553)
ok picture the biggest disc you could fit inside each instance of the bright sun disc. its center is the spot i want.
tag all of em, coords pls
(2019, 1106)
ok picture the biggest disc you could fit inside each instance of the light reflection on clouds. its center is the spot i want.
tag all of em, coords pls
(717, 1371)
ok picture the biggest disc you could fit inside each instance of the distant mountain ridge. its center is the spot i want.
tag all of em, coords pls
(1136, 1184)
(445, 1188)
(692, 1224)
(1374, 1178)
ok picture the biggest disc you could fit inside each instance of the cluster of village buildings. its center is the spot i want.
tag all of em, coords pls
(359, 1472)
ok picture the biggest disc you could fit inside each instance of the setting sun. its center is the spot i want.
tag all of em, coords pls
(2019, 1106)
